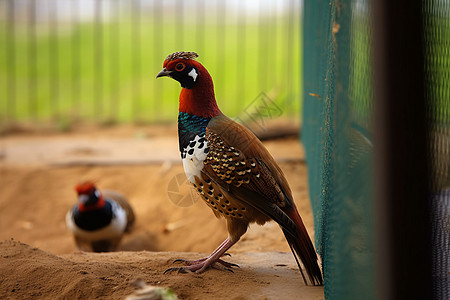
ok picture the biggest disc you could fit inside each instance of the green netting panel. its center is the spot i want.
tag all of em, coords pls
(336, 135)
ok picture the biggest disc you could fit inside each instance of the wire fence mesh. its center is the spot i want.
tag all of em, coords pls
(96, 60)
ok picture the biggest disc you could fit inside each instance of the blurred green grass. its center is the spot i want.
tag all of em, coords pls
(73, 82)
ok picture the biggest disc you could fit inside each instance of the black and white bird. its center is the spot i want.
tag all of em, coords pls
(99, 219)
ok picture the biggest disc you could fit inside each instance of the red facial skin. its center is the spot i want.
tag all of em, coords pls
(199, 100)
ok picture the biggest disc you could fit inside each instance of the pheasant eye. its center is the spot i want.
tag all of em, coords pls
(180, 67)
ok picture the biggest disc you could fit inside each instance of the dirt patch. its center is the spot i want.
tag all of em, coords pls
(36, 193)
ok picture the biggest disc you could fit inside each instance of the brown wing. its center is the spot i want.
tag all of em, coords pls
(243, 167)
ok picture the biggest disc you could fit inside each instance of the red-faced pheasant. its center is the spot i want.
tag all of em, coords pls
(232, 171)
(99, 219)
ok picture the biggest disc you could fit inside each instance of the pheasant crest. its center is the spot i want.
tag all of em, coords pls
(181, 54)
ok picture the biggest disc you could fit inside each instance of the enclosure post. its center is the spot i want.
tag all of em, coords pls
(403, 242)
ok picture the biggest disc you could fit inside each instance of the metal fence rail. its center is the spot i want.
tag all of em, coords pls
(96, 60)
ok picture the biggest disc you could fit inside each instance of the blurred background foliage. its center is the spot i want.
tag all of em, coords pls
(65, 61)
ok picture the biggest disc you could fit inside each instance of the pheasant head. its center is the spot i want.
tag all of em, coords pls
(89, 198)
(197, 93)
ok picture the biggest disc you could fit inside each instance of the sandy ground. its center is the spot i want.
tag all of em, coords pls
(39, 260)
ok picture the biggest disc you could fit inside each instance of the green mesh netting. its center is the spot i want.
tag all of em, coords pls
(337, 134)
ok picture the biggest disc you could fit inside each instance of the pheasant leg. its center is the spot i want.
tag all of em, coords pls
(200, 265)
(193, 262)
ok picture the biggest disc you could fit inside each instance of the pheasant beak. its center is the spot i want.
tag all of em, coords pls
(164, 72)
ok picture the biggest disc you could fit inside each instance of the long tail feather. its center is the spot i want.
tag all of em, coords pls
(303, 250)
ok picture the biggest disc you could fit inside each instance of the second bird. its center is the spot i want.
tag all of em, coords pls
(231, 169)
(99, 219)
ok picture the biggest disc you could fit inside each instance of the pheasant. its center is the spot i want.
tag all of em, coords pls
(99, 219)
(231, 170)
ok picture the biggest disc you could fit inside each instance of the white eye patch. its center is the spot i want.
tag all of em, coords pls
(193, 74)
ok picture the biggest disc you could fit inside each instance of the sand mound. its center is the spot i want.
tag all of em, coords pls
(29, 273)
